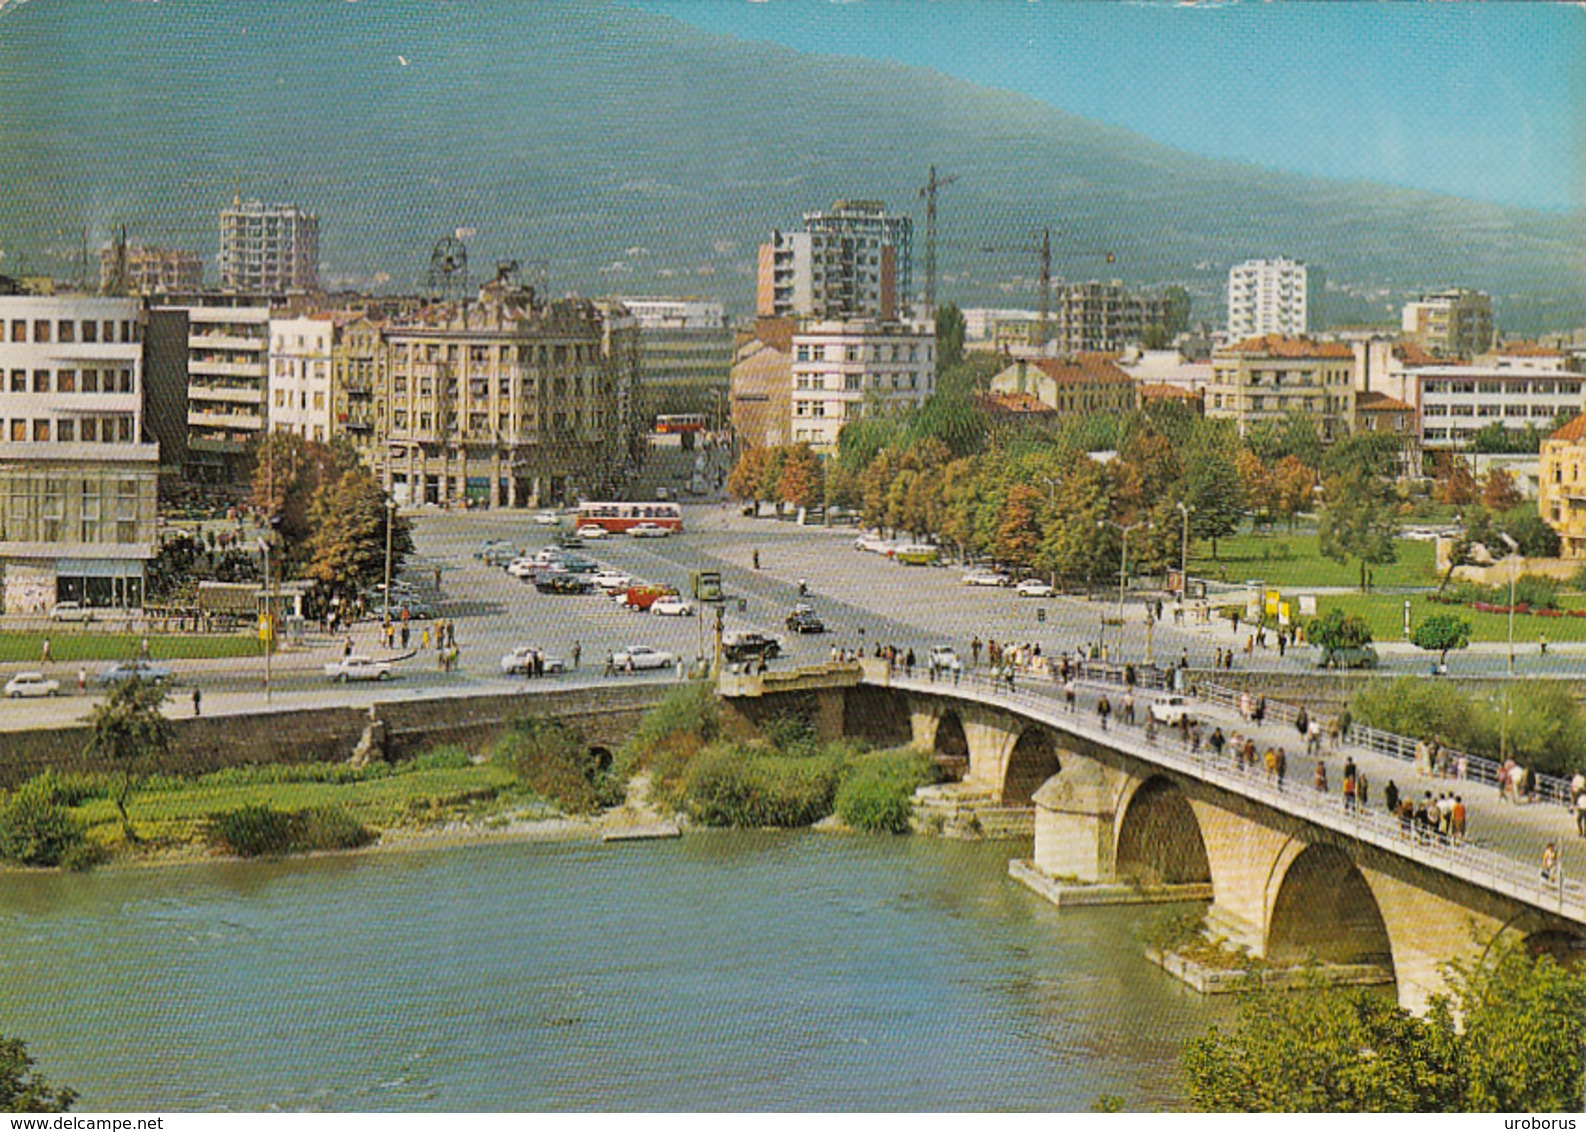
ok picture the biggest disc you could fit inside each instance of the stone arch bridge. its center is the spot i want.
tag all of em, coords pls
(1292, 875)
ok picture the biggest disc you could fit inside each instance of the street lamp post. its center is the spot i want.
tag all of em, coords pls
(1184, 509)
(267, 624)
(1123, 561)
(1514, 566)
(390, 521)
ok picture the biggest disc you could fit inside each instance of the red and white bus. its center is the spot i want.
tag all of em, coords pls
(619, 518)
(680, 422)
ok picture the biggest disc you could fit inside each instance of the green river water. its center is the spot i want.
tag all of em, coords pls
(720, 971)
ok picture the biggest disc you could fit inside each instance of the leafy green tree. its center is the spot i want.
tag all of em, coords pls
(950, 330)
(1518, 1045)
(1154, 336)
(1535, 537)
(1336, 630)
(21, 1089)
(1497, 439)
(1358, 521)
(1441, 633)
(1211, 485)
(347, 547)
(1179, 304)
(126, 729)
(1297, 437)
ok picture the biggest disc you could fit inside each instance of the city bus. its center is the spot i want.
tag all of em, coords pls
(680, 422)
(619, 518)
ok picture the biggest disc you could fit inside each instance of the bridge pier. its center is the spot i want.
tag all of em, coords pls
(1074, 812)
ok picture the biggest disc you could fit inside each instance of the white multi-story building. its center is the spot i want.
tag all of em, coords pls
(1456, 401)
(675, 314)
(853, 261)
(77, 479)
(268, 247)
(1268, 296)
(299, 385)
(840, 367)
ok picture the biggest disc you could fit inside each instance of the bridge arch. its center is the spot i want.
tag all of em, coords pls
(1031, 762)
(1325, 909)
(1159, 837)
(950, 749)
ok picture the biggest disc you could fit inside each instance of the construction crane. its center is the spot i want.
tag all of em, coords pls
(928, 195)
(1043, 250)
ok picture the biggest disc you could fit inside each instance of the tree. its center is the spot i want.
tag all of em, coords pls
(21, 1089)
(1335, 630)
(744, 479)
(1358, 521)
(800, 483)
(1154, 336)
(126, 728)
(1441, 633)
(1497, 439)
(1293, 488)
(1518, 1045)
(1535, 537)
(1454, 483)
(1179, 304)
(950, 330)
(1018, 536)
(288, 472)
(347, 548)
(1498, 491)
(1211, 486)
(1298, 438)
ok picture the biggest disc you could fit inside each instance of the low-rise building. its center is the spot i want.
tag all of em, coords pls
(1263, 380)
(360, 410)
(841, 368)
(762, 384)
(1075, 386)
(1561, 498)
(1379, 414)
(1457, 401)
(300, 397)
(78, 479)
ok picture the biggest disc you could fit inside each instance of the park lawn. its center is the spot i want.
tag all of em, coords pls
(1385, 614)
(68, 645)
(1291, 562)
(174, 815)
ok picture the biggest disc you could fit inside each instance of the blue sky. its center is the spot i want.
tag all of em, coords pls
(1477, 100)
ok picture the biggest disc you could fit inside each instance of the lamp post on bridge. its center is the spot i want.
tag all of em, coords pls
(1123, 560)
(1514, 567)
(1183, 585)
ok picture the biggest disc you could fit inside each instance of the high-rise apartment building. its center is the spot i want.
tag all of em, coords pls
(852, 261)
(1453, 323)
(268, 247)
(1269, 296)
(1101, 317)
(138, 270)
(78, 481)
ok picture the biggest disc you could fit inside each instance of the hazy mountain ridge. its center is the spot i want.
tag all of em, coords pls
(631, 152)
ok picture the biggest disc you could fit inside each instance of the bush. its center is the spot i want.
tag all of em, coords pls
(71, 789)
(668, 738)
(449, 757)
(1547, 731)
(791, 735)
(552, 760)
(1536, 591)
(732, 785)
(877, 792)
(35, 829)
(263, 831)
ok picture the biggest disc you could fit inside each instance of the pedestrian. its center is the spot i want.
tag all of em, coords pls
(198, 700)
(1069, 693)
(1217, 742)
(755, 558)
(1390, 796)
(611, 665)
(1244, 706)
(1260, 711)
(1283, 766)
(1103, 710)
(578, 651)
(1456, 818)
(46, 650)
(1270, 759)
(1351, 783)
(424, 640)
(1580, 815)
(1549, 862)
(974, 654)
(82, 680)
(1302, 723)
(143, 648)
(1362, 794)
(1128, 708)
(1319, 779)
(1541, 643)
(405, 632)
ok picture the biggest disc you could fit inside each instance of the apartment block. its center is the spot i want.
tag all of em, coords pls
(1101, 318)
(1263, 380)
(139, 270)
(852, 261)
(358, 386)
(78, 481)
(299, 385)
(1269, 296)
(268, 247)
(843, 367)
(685, 356)
(1453, 323)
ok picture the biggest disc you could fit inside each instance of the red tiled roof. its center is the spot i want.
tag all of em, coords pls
(1372, 402)
(1411, 354)
(1017, 403)
(1162, 391)
(1525, 350)
(1277, 346)
(1089, 368)
(1573, 431)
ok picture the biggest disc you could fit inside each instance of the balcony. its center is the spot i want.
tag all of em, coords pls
(221, 341)
(237, 419)
(235, 394)
(197, 367)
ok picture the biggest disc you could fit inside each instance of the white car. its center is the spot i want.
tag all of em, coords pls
(944, 659)
(647, 530)
(547, 518)
(516, 662)
(672, 607)
(591, 531)
(523, 568)
(28, 684)
(358, 668)
(70, 611)
(642, 656)
(1171, 711)
(1033, 587)
(611, 580)
(986, 578)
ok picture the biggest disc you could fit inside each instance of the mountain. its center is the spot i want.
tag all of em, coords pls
(615, 150)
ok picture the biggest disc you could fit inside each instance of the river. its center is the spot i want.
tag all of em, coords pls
(720, 971)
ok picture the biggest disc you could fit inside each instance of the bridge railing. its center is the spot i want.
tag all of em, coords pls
(1468, 860)
(1548, 788)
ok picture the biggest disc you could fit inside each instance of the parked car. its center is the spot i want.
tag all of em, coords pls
(28, 684)
(500, 555)
(591, 531)
(642, 597)
(611, 580)
(562, 583)
(139, 669)
(642, 657)
(648, 530)
(803, 620)
(1363, 657)
(1172, 710)
(944, 659)
(673, 606)
(547, 518)
(70, 611)
(358, 668)
(524, 569)
(491, 544)
(516, 662)
(986, 578)
(750, 645)
(1033, 587)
